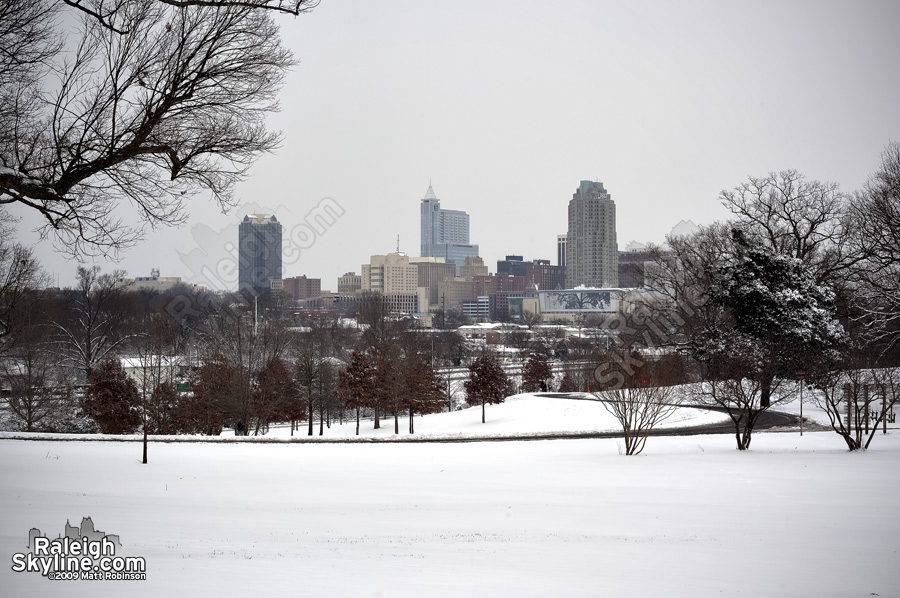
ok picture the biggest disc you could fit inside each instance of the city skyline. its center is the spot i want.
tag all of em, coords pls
(504, 106)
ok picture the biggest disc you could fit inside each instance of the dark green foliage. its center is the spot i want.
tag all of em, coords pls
(487, 383)
(112, 399)
(536, 370)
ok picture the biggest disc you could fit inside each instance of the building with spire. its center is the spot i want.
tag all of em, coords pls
(592, 253)
(444, 233)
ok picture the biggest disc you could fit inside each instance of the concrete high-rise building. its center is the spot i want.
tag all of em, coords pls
(592, 254)
(391, 273)
(259, 252)
(395, 279)
(432, 271)
(444, 233)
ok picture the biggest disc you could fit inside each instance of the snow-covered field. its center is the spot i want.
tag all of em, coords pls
(518, 415)
(691, 517)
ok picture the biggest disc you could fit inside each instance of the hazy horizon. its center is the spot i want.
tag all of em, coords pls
(505, 107)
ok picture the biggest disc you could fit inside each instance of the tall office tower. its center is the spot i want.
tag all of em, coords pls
(445, 233)
(592, 254)
(259, 252)
(561, 250)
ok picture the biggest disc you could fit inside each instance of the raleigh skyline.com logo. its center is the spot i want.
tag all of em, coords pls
(82, 553)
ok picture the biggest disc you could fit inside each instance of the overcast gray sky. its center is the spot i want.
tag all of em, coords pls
(506, 106)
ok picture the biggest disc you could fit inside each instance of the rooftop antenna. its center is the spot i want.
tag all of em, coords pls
(398, 243)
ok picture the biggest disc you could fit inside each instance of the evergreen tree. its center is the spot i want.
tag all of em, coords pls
(537, 370)
(487, 382)
(274, 395)
(777, 312)
(202, 411)
(112, 399)
(422, 389)
(356, 384)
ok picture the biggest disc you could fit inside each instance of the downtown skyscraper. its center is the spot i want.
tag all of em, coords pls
(444, 233)
(592, 252)
(259, 253)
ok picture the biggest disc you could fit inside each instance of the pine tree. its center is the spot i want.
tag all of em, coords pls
(487, 382)
(161, 409)
(780, 315)
(203, 410)
(112, 399)
(422, 389)
(274, 395)
(356, 384)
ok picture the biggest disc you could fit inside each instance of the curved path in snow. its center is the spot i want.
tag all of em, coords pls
(771, 420)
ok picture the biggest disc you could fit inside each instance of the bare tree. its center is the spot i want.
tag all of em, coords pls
(108, 12)
(876, 221)
(795, 217)
(381, 336)
(531, 319)
(450, 386)
(30, 371)
(157, 348)
(93, 328)
(155, 102)
(245, 346)
(20, 276)
(636, 394)
(638, 409)
(858, 402)
(316, 375)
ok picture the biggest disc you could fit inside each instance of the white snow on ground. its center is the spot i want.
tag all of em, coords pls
(519, 414)
(691, 517)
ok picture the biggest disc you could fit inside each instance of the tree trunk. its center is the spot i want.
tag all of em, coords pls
(765, 393)
(311, 414)
(321, 423)
(482, 411)
(411, 429)
(357, 420)
(377, 421)
(396, 422)
(145, 444)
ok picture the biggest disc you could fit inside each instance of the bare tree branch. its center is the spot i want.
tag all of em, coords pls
(157, 102)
